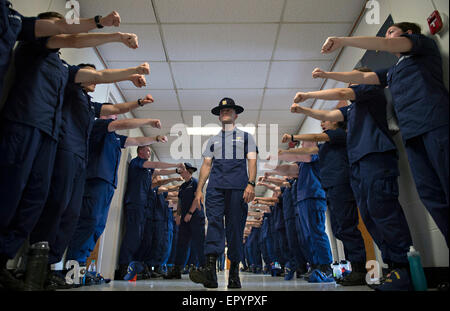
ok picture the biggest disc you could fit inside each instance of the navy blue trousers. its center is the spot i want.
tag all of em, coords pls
(98, 194)
(375, 186)
(344, 221)
(27, 158)
(296, 257)
(228, 203)
(428, 159)
(59, 218)
(154, 242)
(135, 220)
(191, 235)
(168, 248)
(315, 239)
(173, 250)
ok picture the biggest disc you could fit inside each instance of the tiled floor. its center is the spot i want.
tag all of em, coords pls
(250, 282)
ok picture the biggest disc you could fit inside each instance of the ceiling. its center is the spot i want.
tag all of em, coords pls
(258, 52)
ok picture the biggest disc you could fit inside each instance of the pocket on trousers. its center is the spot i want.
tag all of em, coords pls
(12, 145)
(386, 188)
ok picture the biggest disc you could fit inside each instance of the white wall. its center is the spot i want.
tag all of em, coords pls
(426, 236)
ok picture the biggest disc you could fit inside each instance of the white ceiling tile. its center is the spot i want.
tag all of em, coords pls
(32, 8)
(130, 11)
(281, 98)
(218, 11)
(150, 45)
(208, 99)
(201, 75)
(159, 77)
(322, 10)
(202, 118)
(304, 41)
(220, 42)
(164, 99)
(296, 74)
(168, 118)
(283, 118)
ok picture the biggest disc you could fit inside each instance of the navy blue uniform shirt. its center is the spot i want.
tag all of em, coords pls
(37, 95)
(366, 123)
(78, 114)
(308, 183)
(420, 98)
(334, 167)
(186, 195)
(229, 150)
(13, 27)
(104, 152)
(139, 183)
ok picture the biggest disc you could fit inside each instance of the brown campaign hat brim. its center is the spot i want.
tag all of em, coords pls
(216, 110)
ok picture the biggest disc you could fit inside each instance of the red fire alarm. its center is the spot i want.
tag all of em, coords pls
(435, 22)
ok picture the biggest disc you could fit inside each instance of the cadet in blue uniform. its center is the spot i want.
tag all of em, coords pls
(31, 129)
(420, 100)
(59, 218)
(335, 179)
(295, 259)
(229, 190)
(137, 203)
(192, 224)
(311, 205)
(101, 180)
(15, 27)
(374, 171)
(155, 238)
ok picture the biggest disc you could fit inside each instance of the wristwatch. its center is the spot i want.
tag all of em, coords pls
(139, 101)
(252, 183)
(97, 21)
(190, 213)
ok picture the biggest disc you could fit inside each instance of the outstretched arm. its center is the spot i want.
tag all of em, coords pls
(392, 45)
(355, 76)
(298, 154)
(134, 74)
(289, 170)
(47, 27)
(126, 107)
(85, 40)
(331, 94)
(306, 137)
(163, 166)
(144, 141)
(322, 115)
(269, 186)
(127, 124)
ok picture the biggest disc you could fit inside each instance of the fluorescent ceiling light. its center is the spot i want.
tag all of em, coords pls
(214, 130)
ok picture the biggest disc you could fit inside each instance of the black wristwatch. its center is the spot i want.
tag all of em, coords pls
(190, 213)
(252, 183)
(97, 21)
(139, 101)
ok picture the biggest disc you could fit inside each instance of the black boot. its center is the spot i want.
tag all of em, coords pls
(206, 275)
(233, 276)
(356, 277)
(8, 282)
(37, 267)
(173, 273)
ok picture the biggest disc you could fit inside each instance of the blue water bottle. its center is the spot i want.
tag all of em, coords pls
(417, 274)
